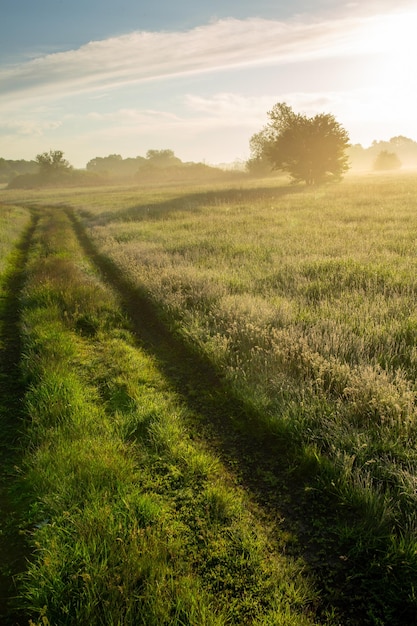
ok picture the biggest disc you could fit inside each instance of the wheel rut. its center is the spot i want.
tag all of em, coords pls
(13, 548)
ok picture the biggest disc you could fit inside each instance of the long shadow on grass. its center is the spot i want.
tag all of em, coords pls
(13, 550)
(192, 202)
(271, 463)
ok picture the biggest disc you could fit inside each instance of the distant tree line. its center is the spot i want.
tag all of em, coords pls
(398, 152)
(10, 169)
(52, 169)
(114, 166)
(158, 165)
(308, 149)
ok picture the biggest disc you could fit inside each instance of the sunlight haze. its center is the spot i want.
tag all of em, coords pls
(98, 78)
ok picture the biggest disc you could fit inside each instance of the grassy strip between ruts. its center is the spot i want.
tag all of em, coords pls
(133, 521)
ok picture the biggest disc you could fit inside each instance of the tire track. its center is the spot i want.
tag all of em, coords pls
(13, 550)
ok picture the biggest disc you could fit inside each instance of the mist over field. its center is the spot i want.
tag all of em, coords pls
(164, 167)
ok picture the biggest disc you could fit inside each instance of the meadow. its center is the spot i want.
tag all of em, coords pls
(220, 403)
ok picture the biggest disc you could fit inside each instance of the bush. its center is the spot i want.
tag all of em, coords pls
(387, 161)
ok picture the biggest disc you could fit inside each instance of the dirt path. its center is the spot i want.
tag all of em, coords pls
(13, 550)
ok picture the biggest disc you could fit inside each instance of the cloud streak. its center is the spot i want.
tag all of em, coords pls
(145, 56)
(94, 100)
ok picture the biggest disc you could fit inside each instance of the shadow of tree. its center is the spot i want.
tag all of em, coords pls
(193, 202)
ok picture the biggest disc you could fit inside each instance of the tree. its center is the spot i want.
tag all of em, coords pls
(310, 149)
(387, 161)
(115, 167)
(162, 158)
(52, 164)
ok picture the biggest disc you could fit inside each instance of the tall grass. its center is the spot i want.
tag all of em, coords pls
(306, 301)
(324, 281)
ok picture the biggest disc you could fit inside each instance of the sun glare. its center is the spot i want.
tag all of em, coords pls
(390, 45)
(394, 38)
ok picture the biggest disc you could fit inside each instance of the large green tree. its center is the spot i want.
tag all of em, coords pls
(310, 149)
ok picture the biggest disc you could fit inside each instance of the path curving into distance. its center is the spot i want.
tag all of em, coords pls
(13, 547)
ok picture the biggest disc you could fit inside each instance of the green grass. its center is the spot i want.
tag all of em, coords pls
(133, 520)
(13, 219)
(303, 302)
(15, 231)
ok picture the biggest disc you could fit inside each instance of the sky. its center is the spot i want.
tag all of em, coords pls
(100, 77)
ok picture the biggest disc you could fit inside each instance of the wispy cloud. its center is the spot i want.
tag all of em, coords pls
(231, 109)
(27, 127)
(370, 109)
(144, 56)
(86, 101)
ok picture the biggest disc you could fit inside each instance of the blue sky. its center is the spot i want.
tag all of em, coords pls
(94, 78)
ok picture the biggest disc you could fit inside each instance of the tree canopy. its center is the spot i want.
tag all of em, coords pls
(9, 169)
(52, 160)
(310, 149)
(52, 164)
(165, 157)
(114, 166)
(52, 170)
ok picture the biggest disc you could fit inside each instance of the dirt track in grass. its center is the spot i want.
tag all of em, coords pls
(13, 548)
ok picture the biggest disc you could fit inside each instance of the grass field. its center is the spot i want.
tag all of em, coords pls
(219, 421)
